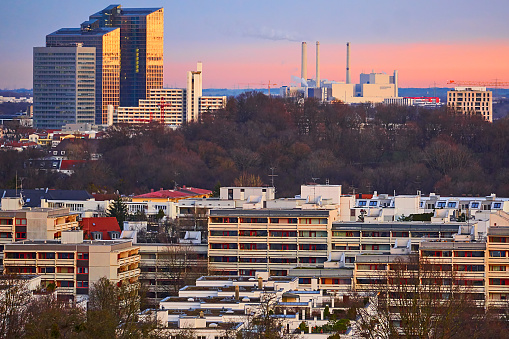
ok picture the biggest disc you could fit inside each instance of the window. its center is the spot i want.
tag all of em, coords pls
(226, 246)
(283, 234)
(373, 203)
(475, 254)
(65, 255)
(21, 235)
(451, 204)
(400, 234)
(498, 239)
(47, 269)
(497, 254)
(313, 221)
(47, 255)
(345, 233)
(65, 269)
(230, 194)
(362, 203)
(82, 270)
(65, 283)
(497, 268)
(82, 284)
(497, 205)
(441, 204)
(475, 205)
(437, 253)
(84, 256)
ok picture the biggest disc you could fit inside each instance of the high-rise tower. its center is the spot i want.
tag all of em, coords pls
(106, 41)
(141, 49)
(64, 85)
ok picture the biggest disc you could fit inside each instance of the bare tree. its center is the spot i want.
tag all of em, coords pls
(14, 299)
(114, 309)
(416, 298)
(177, 266)
(265, 322)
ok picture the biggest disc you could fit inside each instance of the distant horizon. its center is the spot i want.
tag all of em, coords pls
(429, 42)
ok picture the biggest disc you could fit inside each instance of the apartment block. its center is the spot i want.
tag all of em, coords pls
(244, 241)
(17, 223)
(471, 101)
(174, 106)
(74, 264)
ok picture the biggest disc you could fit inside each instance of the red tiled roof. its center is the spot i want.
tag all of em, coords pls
(185, 192)
(69, 164)
(103, 197)
(103, 224)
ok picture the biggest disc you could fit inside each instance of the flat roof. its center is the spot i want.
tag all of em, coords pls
(498, 230)
(451, 245)
(271, 213)
(396, 226)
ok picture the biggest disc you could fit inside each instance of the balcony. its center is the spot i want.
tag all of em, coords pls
(129, 274)
(129, 260)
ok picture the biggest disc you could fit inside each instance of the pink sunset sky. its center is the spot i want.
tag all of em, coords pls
(419, 64)
(251, 42)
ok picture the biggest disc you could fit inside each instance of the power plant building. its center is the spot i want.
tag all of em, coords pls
(372, 87)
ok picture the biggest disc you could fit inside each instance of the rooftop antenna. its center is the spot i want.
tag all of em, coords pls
(272, 175)
(314, 180)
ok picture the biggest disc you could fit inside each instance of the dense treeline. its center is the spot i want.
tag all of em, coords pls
(387, 148)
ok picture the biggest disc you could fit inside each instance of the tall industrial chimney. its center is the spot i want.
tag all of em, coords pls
(318, 64)
(396, 83)
(348, 63)
(304, 67)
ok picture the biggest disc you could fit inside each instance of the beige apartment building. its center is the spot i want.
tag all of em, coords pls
(74, 264)
(244, 241)
(471, 101)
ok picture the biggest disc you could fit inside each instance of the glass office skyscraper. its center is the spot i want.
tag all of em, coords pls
(106, 41)
(129, 54)
(141, 49)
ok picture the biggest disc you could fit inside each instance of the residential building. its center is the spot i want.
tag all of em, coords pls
(166, 106)
(19, 223)
(106, 41)
(243, 241)
(74, 264)
(174, 106)
(215, 303)
(64, 85)
(100, 228)
(471, 101)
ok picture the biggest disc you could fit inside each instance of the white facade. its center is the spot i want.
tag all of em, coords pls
(172, 106)
(194, 92)
(471, 101)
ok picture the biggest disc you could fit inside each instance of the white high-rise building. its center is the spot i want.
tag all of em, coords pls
(194, 92)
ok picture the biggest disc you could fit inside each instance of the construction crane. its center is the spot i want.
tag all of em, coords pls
(494, 84)
(162, 105)
(269, 85)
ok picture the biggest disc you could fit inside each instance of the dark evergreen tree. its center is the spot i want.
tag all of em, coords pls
(118, 210)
